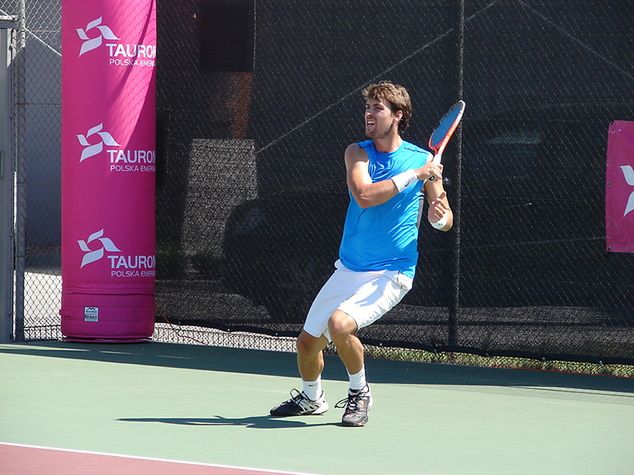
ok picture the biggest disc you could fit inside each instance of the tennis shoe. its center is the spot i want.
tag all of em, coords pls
(357, 404)
(300, 405)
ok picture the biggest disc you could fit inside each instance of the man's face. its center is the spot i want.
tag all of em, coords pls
(380, 121)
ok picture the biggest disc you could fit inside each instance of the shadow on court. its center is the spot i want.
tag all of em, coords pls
(253, 422)
(272, 363)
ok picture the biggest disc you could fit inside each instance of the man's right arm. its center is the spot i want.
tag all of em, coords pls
(368, 194)
(365, 193)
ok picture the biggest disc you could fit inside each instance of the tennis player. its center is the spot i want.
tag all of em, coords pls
(387, 179)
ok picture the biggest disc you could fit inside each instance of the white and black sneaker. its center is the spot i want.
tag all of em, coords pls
(357, 404)
(300, 405)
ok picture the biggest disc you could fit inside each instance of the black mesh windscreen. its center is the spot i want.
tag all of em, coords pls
(251, 181)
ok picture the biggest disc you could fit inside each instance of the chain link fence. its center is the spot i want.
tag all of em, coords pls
(36, 123)
(257, 101)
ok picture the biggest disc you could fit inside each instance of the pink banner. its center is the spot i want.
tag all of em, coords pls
(108, 169)
(619, 189)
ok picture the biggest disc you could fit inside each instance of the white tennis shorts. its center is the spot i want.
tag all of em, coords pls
(364, 296)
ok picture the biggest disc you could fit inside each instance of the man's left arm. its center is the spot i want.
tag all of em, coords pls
(439, 213)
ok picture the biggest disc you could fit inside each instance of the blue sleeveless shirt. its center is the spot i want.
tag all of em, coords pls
(384, 237)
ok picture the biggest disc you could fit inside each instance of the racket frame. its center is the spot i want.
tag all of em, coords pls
(440, 146)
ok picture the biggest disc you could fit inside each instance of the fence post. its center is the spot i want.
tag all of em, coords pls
(6, 183)
(18, 150)
(455, 297)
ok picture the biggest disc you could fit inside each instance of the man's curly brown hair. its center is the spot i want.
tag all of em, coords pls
(396, 95)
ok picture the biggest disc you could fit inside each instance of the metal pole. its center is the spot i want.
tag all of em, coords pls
(7, 188)
(455, 297)
(18, 147)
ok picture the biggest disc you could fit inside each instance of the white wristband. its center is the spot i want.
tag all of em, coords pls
(441, 223)
(405, 179)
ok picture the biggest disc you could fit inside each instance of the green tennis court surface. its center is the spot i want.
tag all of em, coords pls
(209, 406)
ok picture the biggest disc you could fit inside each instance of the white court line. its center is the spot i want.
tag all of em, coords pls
(153, 459)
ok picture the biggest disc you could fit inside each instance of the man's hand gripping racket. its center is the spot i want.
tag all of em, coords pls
(444, 130)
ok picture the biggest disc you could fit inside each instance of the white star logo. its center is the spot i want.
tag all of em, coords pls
(628, 173)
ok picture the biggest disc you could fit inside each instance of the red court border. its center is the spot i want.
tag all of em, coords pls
(19, 459)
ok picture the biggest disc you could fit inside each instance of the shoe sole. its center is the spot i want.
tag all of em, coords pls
(319, 411)
(316, 412)
(354, 424)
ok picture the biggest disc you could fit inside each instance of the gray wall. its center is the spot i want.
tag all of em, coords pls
(41, 146)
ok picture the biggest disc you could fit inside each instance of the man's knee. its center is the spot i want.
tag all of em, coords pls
(306, 344)
(341, 325)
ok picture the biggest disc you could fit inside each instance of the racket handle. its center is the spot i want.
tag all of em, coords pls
(437, 158)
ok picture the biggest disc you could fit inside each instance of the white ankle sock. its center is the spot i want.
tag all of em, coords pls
(357, 380)
(312, 389)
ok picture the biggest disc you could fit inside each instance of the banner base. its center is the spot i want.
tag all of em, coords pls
(106, 340)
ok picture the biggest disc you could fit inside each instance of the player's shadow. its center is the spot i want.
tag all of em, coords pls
(252, 422)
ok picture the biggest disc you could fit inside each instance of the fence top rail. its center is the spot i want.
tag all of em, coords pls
(7, 21)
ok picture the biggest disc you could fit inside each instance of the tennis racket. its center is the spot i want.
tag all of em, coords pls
(444, 130)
